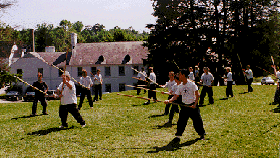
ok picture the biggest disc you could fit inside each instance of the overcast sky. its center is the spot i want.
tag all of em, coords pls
(123, 13)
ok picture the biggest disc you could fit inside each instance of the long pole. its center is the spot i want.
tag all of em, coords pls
(144, 75)
(147, 89)
(21, 80)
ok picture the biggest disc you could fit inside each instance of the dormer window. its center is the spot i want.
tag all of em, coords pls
(101, 60)
(127, 60)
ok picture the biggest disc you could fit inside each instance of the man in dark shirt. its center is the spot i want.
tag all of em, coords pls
(41, 85)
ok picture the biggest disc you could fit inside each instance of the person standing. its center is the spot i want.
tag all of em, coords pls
(189, 109)
(174, 107)
(277, 92)
(87, 82)
(169, 85)
(98, 85)
(229, 82)
(68, 99)
(191, 75)
(249, 75)
(39, 96)
(152, 86)
(207, 81)
(142, 80)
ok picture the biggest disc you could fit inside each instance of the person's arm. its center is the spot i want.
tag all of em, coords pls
(172, 99)
(47, 87)
(67, 83)
(196, 99)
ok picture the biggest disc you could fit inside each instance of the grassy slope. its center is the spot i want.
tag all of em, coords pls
(242, 126)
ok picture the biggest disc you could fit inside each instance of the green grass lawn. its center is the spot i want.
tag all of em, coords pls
(118, 126)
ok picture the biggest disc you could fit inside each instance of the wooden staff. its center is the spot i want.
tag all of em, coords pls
(139, 79)
(30, 85)
(148, 89)
(39, 57)
(144, 75)
(132, 96)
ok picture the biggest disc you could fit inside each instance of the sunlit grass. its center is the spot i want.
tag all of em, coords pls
(117, 126)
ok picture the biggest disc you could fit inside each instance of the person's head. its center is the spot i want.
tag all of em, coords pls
(196, 68)
(206, 69)
(171, 75)
(183, 74)
(40, 75)
(151, 69)
(190, 69)
(248, 67)
(98, 71)
(177, 79)
(84, 73)
(66, 74)
(228, 69)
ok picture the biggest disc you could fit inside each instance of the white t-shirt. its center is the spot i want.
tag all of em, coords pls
(69, 95)
(278, 75)
(249, 73)
(187, 91)
(169, 84)
(207, 79)
(142, 75)
(174, 88)
(99, 78)
(229, 76)
(153, 78)
(191, 76)
(86, 81)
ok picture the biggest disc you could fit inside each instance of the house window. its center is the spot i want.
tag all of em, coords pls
(79, 69)
(41, 71)
(60, 72)
(108, 88)
(137, 68)
(19, 72)
(107, 71)
(93, 70)
(121, 87)
(121, 71)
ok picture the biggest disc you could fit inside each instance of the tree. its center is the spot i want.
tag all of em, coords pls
(186, 30)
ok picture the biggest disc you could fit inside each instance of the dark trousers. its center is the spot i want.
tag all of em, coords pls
(43, 103)
(175, 107)
(98, 89)
(70, 108)
(249, 82)
(167, 106)
(152, 94)
(138, 89)
(88, 94)
(229, 89)
(185, 114)
(209, 91)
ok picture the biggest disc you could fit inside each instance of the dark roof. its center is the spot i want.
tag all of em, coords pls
(112, 52)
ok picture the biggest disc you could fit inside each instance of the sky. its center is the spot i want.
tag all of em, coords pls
(26, 14)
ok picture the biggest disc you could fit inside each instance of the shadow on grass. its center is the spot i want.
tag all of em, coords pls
(201, 105)
(166, 125)
(172, 147)
(276, 110)
(224, 99)
(29, 116)
(244, 93)
(47, 131)
(153, 116)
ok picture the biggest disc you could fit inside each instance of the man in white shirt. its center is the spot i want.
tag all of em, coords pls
(249, 75)
(98, 85)
(169, 85)
(191, 75)
(85, 81)
(189, 108)
(152, 86)
(142, 78)
(229, 82)
(67, 92)
(277, 92)
(207, 81)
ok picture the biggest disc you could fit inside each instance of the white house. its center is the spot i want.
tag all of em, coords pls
(114, 59)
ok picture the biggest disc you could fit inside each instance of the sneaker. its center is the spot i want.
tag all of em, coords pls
(62, 127)
(146, 103)
(202, 137)
(83, 125)
(91, 107)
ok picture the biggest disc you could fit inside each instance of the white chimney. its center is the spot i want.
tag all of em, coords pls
(74, 38)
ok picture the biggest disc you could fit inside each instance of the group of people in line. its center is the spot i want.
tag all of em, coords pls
(67, 93)
(183, 91)
(182, 88)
